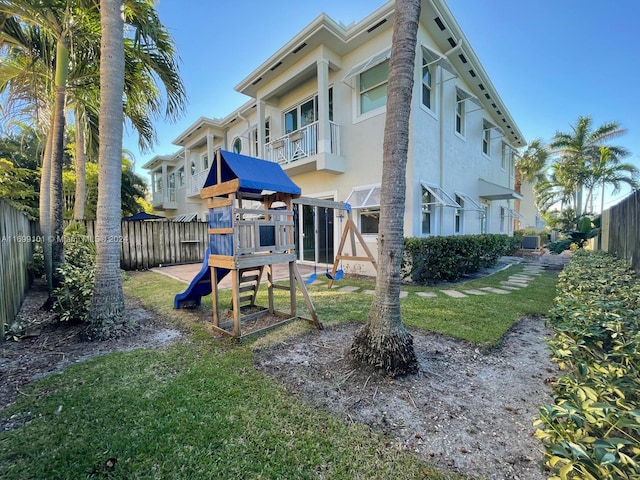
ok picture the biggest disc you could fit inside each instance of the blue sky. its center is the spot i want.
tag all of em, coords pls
(550, 60)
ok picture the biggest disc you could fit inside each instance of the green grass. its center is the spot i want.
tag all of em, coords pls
(201, 410)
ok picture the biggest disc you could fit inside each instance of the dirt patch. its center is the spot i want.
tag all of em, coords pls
(52, 346)
(465, 411)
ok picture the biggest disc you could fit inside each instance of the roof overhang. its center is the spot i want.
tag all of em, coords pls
(493, 191)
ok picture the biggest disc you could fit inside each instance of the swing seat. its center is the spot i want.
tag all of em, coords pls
(311, 279)
(339, 274)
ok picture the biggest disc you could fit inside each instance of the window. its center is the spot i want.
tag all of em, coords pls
(267, 131)
(505, 156)
(205, 161)
(427, 84)
(503, 215)
(484, 219)
(181, 179)
(459, 114)
(193, 167)
(486, 140)
(366, 202)
(237, 145)
(172, 187)
(457, 228)
(253, 135)
(427, 202)
(373, 87)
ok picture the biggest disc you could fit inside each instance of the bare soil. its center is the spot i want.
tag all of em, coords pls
(466, 411)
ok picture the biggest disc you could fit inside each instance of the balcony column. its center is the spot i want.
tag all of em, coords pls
(261, 133)
(324, 132)
(165, 184)
(210, 139)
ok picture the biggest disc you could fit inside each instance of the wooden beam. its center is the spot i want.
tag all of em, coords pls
(220, 189)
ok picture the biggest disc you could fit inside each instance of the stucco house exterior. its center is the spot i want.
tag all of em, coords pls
(317, 107)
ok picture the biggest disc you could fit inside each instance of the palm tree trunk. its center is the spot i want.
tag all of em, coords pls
(44, 202)
(81, 169)
(57, 151)
(383, 342)
(107, 304)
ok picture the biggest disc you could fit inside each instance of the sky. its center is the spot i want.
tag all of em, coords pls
(550, 60)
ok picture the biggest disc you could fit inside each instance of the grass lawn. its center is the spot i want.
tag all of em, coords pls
(200, 410)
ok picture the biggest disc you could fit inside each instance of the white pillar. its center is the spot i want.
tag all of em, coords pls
(260, 107)
(324, 130)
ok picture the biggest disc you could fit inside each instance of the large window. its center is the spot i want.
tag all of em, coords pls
(305, 113)
(373, 87)
(427, 84)
(237, 145)
(181, 179)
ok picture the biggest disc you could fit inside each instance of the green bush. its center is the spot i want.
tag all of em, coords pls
(592, 431)
(36, 265)
(434, 259)
(73, 298)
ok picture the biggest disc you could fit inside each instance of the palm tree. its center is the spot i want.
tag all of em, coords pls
(579, 150)
(607, 170)
(107, 303)
(383, 342)
(532, 163)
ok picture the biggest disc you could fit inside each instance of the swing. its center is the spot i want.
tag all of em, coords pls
(340, 272)
(312, 278)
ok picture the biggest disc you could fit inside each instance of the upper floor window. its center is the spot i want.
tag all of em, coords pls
(486, 139)
(460, 114)
(373, 87)
(181, 179)
(427, 84)
(205, 161)
(237, 145)
(193, 167)
(267, 131)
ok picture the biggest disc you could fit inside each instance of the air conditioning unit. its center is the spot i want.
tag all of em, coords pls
(530, 242)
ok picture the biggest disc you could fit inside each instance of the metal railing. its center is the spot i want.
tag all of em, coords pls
(301, 143)
(195, 183)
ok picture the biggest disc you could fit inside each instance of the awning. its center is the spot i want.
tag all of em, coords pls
(143, 216)
(467, 96)
(187, 217)
(510, 212)
(434, 58)
(364, 197)
(492, 191)
(469, 203)
(441, 197)
(370, 63)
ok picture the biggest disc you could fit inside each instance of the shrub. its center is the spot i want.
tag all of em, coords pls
(73, 298)
(435, 259)
(36, 265)
(592, 431)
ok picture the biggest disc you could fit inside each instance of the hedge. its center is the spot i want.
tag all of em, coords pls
(434, 259)
(592, 431)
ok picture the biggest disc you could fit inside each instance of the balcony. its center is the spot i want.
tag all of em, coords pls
(297, 152)
(162, 201)
(195, 183)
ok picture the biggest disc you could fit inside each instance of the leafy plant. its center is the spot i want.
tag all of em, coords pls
(593, 429)
(584, 229)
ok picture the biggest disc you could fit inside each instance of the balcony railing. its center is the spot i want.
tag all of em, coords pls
(196, 182)
(166, 201)
(299, 144)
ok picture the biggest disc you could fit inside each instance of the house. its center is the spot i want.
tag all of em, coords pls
(317, 107)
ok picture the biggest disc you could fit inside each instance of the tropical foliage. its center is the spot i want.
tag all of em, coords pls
(592, 431)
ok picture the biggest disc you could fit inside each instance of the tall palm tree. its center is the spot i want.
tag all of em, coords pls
(532, 163)
(107, 303)
(579, 149)
(383, 342)
(607, 170)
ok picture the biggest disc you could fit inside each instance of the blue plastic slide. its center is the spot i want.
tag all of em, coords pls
(199, 287)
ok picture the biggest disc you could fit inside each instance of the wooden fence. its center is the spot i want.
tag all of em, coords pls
(621, 230)
(16, 249)
(148, 244)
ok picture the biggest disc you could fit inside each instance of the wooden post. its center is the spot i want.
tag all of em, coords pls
(214, 296)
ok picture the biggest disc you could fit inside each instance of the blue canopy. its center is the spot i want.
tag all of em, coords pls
(255, 175)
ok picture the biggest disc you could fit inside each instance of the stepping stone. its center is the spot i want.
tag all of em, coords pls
(403, 294)
(532, 271)
(494, 290)
(369, 292)
(453, 293)
(514, 283)
(522, 277)
(509, 287)
(427, 294)
(475, 292)
(349, 289)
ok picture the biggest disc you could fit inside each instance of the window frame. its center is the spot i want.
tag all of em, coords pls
(427, 87)
(367, 205)
(361, 92)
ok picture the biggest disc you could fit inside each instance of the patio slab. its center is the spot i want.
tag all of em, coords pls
(454, 293)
